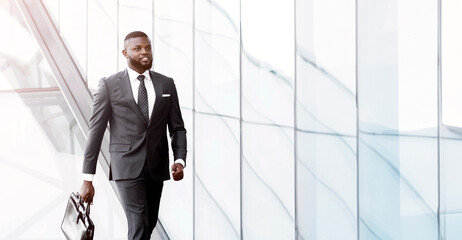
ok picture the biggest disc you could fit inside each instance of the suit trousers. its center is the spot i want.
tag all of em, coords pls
(140, 198)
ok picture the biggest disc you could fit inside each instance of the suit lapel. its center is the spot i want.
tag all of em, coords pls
(126, 88)
(157, 82)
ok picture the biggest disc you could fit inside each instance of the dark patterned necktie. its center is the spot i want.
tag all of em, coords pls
(143, 99)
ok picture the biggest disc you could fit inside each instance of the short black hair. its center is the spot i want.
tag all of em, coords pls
(135, 34)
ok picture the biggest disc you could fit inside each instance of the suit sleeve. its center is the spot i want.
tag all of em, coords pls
(98, 124)
(176, 127)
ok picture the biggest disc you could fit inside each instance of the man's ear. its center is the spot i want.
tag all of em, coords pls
(124, 52)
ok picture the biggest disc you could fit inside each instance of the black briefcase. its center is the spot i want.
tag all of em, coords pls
(77, 223)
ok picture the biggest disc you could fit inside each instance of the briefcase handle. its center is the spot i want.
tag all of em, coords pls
(82, 203)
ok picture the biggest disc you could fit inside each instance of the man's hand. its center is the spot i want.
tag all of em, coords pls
(87, 192)
(177, 171)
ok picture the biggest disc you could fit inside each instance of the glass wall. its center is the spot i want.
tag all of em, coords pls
(306, 119)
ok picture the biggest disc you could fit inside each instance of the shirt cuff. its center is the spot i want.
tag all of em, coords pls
(180, 161)
(88, 177)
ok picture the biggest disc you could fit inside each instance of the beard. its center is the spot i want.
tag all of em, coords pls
(139, 65)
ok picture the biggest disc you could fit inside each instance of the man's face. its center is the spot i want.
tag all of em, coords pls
(138, 53)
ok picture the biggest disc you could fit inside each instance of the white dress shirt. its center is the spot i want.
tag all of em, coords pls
(135, 83)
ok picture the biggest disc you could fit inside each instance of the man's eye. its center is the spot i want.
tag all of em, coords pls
(137, 49)
(148, 48)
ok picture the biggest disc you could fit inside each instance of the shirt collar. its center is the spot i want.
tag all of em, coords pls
(133, 75)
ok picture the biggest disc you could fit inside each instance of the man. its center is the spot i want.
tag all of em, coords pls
(139, 104)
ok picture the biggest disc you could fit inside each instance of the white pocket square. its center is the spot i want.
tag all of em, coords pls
(166, 95)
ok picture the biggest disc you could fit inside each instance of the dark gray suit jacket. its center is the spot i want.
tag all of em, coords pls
(132, 140)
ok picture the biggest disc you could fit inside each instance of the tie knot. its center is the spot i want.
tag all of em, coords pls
(141, 78)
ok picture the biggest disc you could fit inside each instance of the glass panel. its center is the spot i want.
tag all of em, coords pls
(451, 62)
(217, 57)
(21, 63)
(268, 117)
(173, 57)
(173, 45)
(326, 146)
(102, 41)
(397, 104)
(451, 134)
(451, 195)
(133, 16)
(268, 183)
(73, 28)
(217, 177)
